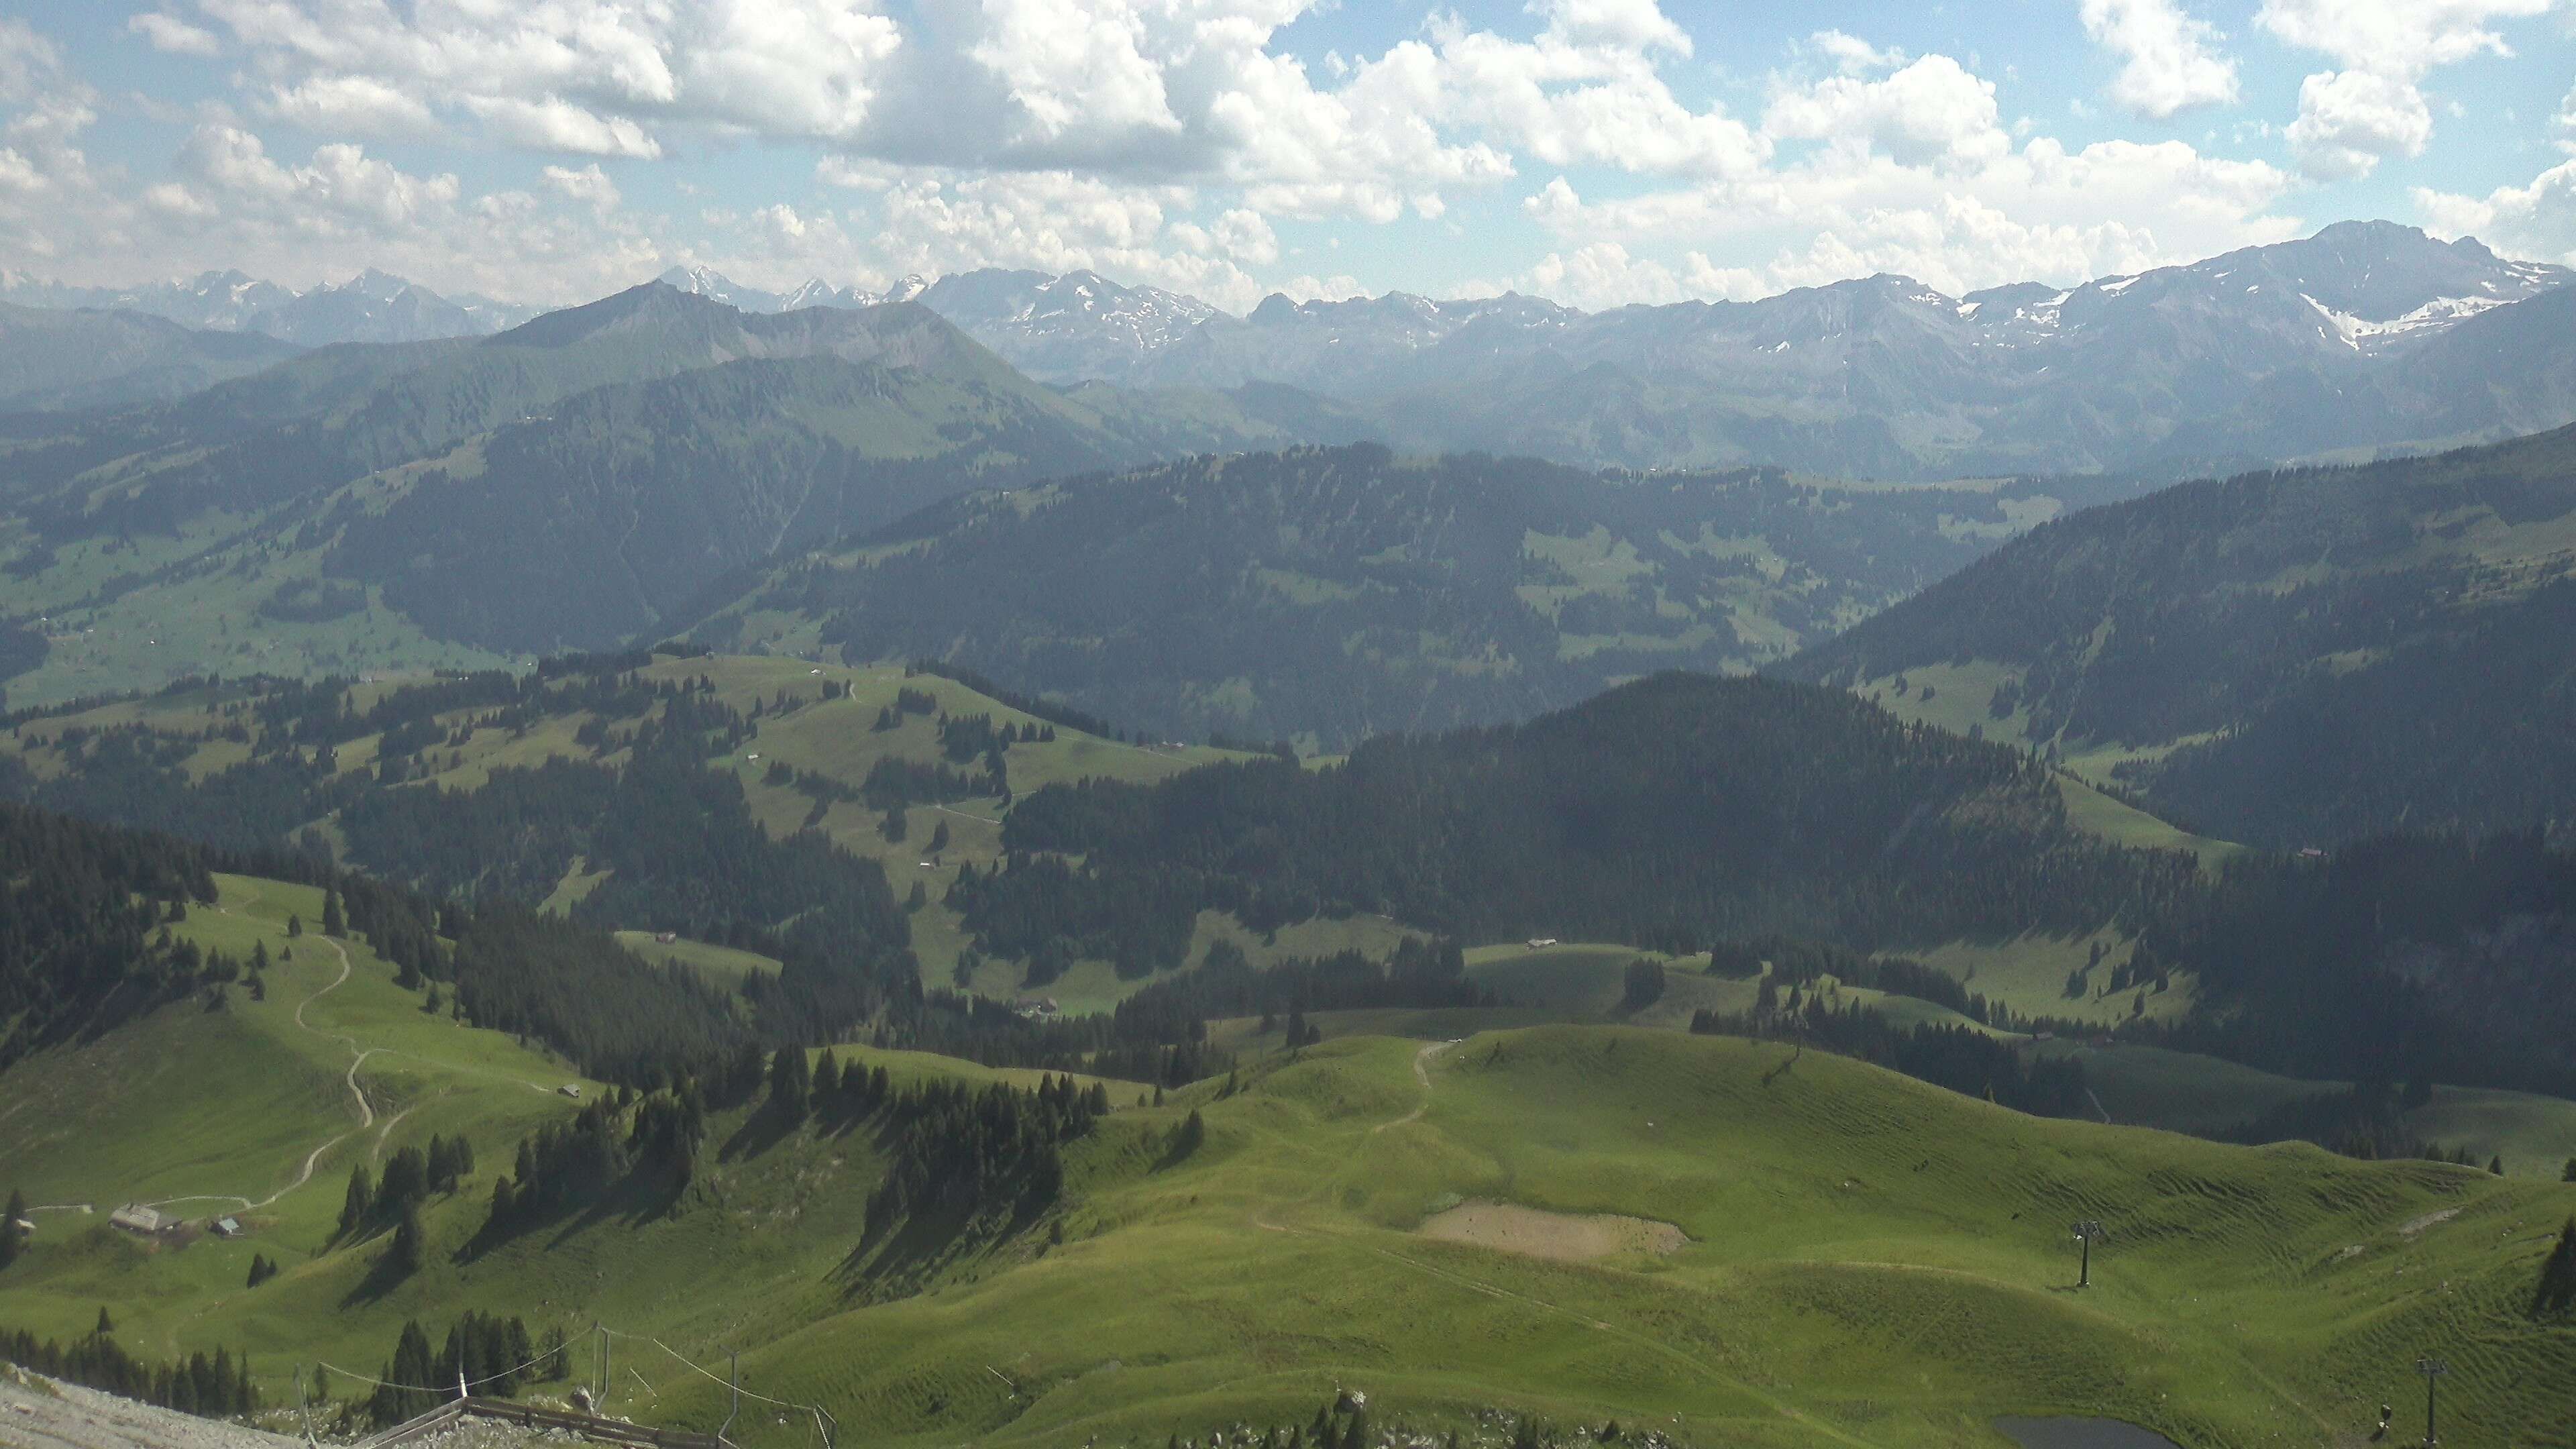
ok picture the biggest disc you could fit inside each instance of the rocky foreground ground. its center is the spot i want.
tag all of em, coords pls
(37, 1413)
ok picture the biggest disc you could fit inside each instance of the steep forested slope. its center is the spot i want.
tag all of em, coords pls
(79, 908)
(2283, 657)
(2401, 958)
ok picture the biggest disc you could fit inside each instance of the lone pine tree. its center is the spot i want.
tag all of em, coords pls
(2557, 1291)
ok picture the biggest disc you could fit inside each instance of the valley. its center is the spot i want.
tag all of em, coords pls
(1024, 860)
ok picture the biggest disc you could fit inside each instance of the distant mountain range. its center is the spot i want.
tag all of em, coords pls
(370, 307)
(2363, 339)
(661, 460)
(2366, 339)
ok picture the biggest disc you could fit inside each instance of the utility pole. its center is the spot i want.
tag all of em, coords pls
(2086, 1232)
(733, 1374)
(2432, 1369)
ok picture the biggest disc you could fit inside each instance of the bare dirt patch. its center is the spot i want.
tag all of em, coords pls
(1565, 1237)
(2418, 1225)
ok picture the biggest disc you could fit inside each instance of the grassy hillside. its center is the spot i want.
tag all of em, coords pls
(260, 1109)
(1860, 1260)
(2289, 659)
(2535, 1136)
(834, 741)
(567, 483)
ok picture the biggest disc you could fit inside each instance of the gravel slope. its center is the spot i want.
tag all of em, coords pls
(40, 1414)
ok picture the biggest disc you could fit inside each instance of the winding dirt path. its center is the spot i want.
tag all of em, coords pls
(1421, 1074)
(366, 1110)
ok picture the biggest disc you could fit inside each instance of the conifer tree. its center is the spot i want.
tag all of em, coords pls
(333, 923)
(9, 1227)
(791, 1083)
(2557, 1291)
(404, 1257)
(360, 1201)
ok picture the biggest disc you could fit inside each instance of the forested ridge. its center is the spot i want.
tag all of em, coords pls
(1668, 813)
(2470, 722)
(2340, 651)
(1337, 593)
(573, 483)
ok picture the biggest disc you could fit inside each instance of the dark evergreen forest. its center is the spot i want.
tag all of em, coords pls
(83, 909)
(1668, 814)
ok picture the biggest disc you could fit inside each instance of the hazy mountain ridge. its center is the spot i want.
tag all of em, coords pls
(371, 307)
(561, 484)
(70, 360)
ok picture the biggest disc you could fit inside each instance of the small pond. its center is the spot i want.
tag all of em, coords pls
(2080, 1434)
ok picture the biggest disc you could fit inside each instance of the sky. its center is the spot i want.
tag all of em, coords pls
(1598, 152)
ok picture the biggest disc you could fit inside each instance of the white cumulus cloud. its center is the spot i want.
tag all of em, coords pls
(2170, 66)
(1931, 112)
(2350, 119)
(2536, 221)
(170, 34)
(2372, 105)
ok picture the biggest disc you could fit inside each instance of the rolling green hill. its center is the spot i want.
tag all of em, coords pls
(2288, 659)
(1584, 1224)
(564, 483)
(864, 834)
(1329, 594)
(1731, 1241)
